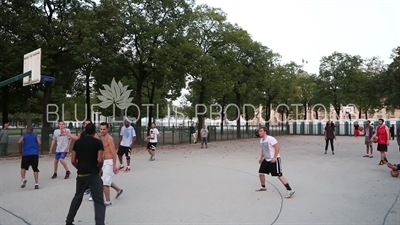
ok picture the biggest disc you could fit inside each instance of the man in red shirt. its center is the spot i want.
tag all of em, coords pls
(382, 133)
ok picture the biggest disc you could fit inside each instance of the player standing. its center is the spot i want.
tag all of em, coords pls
(270, 161)
(109, 166)
(382, 132)
(126, 140)
(152, 138)
(63, 143)
(29, 146)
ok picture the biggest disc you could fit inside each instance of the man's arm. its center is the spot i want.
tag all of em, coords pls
(73, 137)
(52, 142)
(100, 155)
(120, 136)
(133, 137)
(96, 136)
(388, 136)
(277, 149)
(1, 133)
(20, 140)
(39, 141)
(74, 160)
(69, 142)
(113, 150)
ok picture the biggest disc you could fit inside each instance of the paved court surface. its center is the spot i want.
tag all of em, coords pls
(189, 185)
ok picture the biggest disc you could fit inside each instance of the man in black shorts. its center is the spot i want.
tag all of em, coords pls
(87, 157)
(29, 147)
(126, 140)
(270, 161)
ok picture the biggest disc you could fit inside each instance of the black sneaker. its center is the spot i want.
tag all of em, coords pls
(67, 175)
(36, 186)
(54, 176)
(119, 193)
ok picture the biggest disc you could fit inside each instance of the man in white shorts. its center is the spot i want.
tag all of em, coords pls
(270, 161)
(109, 165)
(63, 143)
(152, 138)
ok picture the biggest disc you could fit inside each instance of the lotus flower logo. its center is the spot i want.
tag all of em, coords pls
(116, 94)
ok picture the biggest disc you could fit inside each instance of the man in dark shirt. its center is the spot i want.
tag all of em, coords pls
(87, 158)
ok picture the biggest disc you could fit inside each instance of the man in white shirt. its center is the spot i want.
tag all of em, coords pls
(270, 161)
(152, 138)
(126, 140)
(63, 142)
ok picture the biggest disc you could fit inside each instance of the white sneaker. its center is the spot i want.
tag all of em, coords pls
(90, 199)
(290, 194)
(23, 183)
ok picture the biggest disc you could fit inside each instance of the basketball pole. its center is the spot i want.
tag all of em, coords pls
(15, 79)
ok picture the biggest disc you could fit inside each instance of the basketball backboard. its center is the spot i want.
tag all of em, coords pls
(348, 109)
(32, 62)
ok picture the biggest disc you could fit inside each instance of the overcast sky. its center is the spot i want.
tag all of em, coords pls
(311, 29)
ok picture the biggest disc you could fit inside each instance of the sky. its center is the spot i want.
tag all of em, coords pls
(311, 29)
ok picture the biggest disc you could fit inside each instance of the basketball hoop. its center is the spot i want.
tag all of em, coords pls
(44, 79)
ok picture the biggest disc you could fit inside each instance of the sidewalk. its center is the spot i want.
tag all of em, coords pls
(189, 185)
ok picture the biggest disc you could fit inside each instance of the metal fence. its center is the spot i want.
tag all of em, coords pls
(342, 128)
(169, 135)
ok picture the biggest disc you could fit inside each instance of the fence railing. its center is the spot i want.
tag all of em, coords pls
(342, 128)
(169, 135)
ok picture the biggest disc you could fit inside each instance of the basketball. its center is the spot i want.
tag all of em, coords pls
(394, 173)
(374, 139)
(360, 128)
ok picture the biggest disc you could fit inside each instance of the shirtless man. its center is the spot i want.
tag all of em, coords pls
(109, 166)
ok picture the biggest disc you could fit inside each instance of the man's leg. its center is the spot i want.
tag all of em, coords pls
(62, 161)
(120, 153)
(370, 150)
(128, 159)
(264, 169)
(277, 172)
(24, 167)
(116, 188)
(326, 144)
(1, 149)
(57, 156)
(96, 189)
(35, 165)
(81, 183)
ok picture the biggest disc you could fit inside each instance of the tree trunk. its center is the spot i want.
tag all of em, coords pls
(88, 108)
(267, 115)
(305, 111)
(200, 118)
(238, 115)
(48, 86)
(4, 105)
(222, 115)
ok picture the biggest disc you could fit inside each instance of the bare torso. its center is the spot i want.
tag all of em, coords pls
(108, 145)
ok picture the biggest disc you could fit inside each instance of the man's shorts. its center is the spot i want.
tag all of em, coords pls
(151, 146)
(368, 141)
(382, 147)
(124, 150)
(30, 161)
(275, 169)
(60, 155)
(108, 172)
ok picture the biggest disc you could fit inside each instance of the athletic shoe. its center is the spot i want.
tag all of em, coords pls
(385, 160)
(36, 186)
(67, 175)
(87, 192)
(152, 158)
(382, 162)
(290, 194)
(393, 167)
(119, 193)
(54, 176)
(371, 156)
(262, 189)
(107, 204)
(127, 169)
(366, 156)
(90, 199)
(121, 167)
(23, 183)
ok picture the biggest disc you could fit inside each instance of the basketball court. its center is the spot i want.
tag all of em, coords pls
(190, 185)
